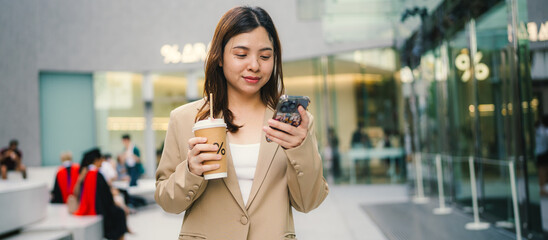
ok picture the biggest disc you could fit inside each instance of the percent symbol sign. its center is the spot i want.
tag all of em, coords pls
(462, 63)
(221, 149)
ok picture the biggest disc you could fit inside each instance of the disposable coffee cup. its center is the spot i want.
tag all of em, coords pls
(215, 132)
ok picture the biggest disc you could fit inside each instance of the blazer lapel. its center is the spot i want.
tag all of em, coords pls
(266, 155)
(231, 181)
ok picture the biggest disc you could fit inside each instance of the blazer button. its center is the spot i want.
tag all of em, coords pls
(187, 198)
(196, 186)
(244, 220)
(191, 193)
(300, 174)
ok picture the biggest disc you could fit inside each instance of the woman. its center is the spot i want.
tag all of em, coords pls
(244, 73)
(96, 197)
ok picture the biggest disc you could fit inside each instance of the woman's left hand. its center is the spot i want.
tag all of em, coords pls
(293, 136)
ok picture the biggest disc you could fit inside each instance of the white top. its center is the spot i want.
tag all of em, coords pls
(245, 158)
(130, 161)
(108, 171)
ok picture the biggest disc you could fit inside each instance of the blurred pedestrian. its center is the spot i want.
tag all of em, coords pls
(360, 139)
(266, 181)
(334, 153)
(121, 170)
(541, 152)
(11, 159)
(65, 179)
(132, 157)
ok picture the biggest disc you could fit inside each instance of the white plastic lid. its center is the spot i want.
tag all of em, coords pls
(215, 175)
(209, 123)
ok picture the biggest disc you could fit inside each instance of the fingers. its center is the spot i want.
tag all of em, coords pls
(200, 158)
(203, 147)
(284, 139)
(281, 126)
(288, 127)
(210, 167)
(304, 117)
(195, 140)
(284, 144)
(203, 162)
(199, 155)
(287, 135)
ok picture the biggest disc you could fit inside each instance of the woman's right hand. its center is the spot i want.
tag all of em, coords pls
(198, 152)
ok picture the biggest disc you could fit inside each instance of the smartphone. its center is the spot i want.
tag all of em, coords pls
(287, 110)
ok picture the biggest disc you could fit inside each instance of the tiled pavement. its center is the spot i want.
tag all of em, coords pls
(339, 217)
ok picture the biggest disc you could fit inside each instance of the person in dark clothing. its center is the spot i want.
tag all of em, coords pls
(86, 161)
(335, 155)
(96, 199)
(10, 159)
(359, 138)
(132, 158)
(65, 179)
(541, 153)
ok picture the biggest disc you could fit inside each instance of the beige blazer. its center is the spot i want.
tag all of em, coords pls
(215, 208)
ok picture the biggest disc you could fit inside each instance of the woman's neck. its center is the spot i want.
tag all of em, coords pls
(246, 102)
(245, 110)
(248, 113)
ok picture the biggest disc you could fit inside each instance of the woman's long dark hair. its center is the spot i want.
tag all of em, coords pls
(236, 21)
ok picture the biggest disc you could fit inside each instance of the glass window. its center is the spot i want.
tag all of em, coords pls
(119, 110)
(356, 92)
(477, 105)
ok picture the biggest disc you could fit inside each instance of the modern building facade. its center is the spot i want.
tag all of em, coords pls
(475, 78)
(418, 78)
(121, 49)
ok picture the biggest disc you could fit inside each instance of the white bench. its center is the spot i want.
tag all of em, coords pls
(23, 203)
(49, 221)
(44, 235)
(59, 219)
(145, 188)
